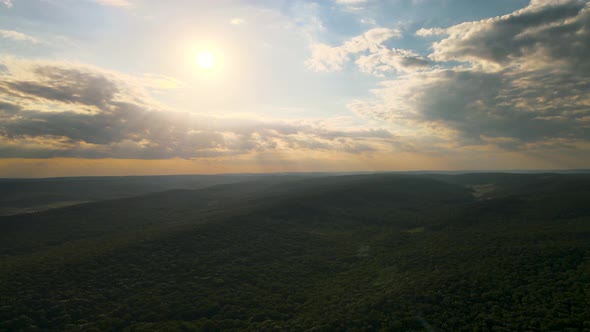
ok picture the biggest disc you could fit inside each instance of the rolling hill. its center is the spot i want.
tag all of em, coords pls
(324, 253)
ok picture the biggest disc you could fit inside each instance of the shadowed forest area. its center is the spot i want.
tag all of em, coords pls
(320, 252)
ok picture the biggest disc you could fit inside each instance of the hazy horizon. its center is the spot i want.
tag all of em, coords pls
(359, 172)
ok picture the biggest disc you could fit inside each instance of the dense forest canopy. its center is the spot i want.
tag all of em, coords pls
(364, 252)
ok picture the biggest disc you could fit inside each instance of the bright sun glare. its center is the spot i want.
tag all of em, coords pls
(205, 59)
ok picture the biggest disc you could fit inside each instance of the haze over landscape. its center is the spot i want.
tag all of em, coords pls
(275, 165)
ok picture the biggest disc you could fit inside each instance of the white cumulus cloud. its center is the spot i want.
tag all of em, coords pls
(18, 36)
(332, 58)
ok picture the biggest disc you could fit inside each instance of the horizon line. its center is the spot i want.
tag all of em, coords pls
(453, 172)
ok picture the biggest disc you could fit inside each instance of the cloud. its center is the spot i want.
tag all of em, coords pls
(332, 58)
(430, 32)
(8, 109)
(50, 109)
(236, 21)
(368, 21)
(350, 2)
(391, 60)
(160, 82)
(18, 36)
(7, 3)
(544, 31)
(327, 58)
(114, 3)
(352, 5)
(65, 85)
(523, 81)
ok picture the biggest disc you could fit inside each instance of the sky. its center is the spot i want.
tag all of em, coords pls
(115, 87)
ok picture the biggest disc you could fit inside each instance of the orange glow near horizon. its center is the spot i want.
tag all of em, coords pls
(312, 161)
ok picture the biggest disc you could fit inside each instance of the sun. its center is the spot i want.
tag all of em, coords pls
(205, 60)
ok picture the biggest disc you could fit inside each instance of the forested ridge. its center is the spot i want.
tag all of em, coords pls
(384, 252)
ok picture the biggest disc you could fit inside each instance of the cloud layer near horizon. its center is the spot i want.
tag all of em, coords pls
(65, 110)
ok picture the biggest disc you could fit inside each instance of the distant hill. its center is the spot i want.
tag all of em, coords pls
(32, 195)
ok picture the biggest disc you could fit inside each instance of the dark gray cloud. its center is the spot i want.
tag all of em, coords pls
(68, 86)
(8, 108)
(67, 111)
(558, 30)
(494, 105)
(527, 80)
